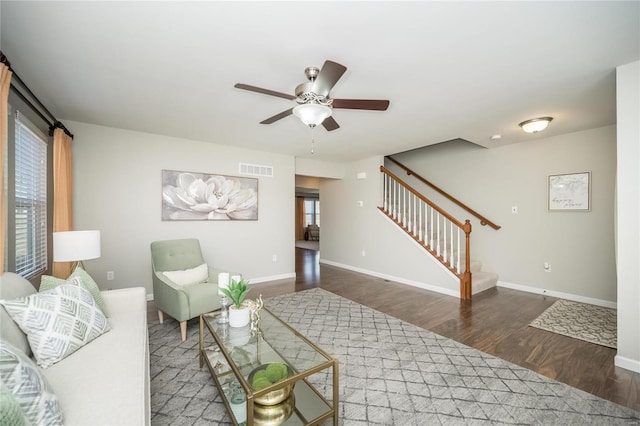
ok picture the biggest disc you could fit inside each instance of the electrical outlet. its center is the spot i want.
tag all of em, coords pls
(547, 267)
(110, 276)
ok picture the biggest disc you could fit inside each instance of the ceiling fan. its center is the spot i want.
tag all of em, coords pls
(315, 106)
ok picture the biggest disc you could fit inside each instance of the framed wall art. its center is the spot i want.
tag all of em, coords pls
(570, 192)
(204, 196)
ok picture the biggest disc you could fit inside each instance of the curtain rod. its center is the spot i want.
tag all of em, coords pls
(53, 123)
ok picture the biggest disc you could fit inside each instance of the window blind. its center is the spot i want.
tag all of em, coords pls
(31, 198)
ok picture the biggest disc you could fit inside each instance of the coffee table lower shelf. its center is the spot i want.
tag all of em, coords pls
(305, 406)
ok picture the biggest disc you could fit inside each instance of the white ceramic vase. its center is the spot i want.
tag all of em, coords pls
(238, 317)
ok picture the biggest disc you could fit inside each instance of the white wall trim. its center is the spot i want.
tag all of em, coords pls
(627, 364)
(418, 284)
(252, 281)
(559, 295)
(272, 278)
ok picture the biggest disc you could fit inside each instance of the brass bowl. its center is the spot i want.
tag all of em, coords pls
(276, 396)
(271, 415)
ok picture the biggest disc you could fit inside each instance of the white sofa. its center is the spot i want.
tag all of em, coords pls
(106, 382)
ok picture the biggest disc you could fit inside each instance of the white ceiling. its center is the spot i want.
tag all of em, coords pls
(450, 69)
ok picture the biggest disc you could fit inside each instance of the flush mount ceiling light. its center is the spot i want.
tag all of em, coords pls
(535, 124)
(312, 114)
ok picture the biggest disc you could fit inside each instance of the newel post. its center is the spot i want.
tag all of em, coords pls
(465, 281)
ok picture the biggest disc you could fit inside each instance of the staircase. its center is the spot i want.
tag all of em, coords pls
(438, 232)
(482, 280)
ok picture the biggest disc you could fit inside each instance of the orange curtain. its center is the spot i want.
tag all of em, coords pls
(5, 83)
(62, 193)
(300, 218)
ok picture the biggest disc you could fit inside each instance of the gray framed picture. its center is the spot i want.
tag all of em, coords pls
(570, 192)
(205, 196)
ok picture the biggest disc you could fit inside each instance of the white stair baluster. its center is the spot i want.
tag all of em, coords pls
(438, 242)
(421, 225)
(410, 197)
(431, 229)
(458, 262)
(445, 221)
(395, 201)
(385, 204)
(451, 258)
(415, 215)
(404, 206)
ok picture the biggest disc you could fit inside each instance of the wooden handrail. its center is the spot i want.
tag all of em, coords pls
(483, 220)
(422, 197)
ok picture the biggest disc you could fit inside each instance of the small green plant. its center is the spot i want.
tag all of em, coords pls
(237, 291)
(273, 373)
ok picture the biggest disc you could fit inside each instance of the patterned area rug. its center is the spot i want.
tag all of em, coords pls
(591, 323)
(391, 373)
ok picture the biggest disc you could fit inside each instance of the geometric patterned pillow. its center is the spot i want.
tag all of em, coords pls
(25, 383)
(47, 283)
(57, 322)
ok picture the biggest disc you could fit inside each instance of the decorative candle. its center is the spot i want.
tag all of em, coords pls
(223, 281)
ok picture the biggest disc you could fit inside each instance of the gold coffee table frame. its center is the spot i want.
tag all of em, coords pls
(276, 342)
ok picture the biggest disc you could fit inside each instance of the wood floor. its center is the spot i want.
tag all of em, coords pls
(495, 321)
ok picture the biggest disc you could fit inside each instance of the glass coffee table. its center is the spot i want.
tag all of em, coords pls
(308, 393)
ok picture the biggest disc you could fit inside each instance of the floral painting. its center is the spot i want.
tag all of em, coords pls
(201, 196)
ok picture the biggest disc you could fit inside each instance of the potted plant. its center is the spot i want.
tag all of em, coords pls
(238, 311)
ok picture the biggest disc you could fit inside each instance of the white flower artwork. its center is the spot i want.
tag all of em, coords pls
(201, 196)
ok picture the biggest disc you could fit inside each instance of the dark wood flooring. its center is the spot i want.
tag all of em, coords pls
(495, 321)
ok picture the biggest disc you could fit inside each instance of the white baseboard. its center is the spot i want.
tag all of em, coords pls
(272, 278)
(559, 295)
(421, 285)
(627, 363)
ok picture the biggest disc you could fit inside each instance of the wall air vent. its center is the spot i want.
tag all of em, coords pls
(256, 170)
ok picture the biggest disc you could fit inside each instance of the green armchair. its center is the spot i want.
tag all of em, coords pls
(177, 300)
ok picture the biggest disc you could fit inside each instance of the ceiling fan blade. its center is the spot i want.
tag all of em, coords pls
(330, 124)
(264, 91)
(328, 77)
(277, 117)
(370, 104)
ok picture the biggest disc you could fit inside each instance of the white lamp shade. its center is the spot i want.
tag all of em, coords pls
(312, 114)
(73, 246)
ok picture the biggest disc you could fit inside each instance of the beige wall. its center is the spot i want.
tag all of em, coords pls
(117, 177)
(578, 245)
(628, 216)
(316, 168)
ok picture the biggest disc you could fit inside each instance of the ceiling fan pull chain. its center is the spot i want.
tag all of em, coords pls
(313, 141)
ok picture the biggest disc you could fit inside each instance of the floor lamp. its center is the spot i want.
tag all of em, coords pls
(76, 246)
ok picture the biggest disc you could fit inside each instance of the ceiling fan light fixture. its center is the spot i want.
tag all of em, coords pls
(312, 114)
(535, 124)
